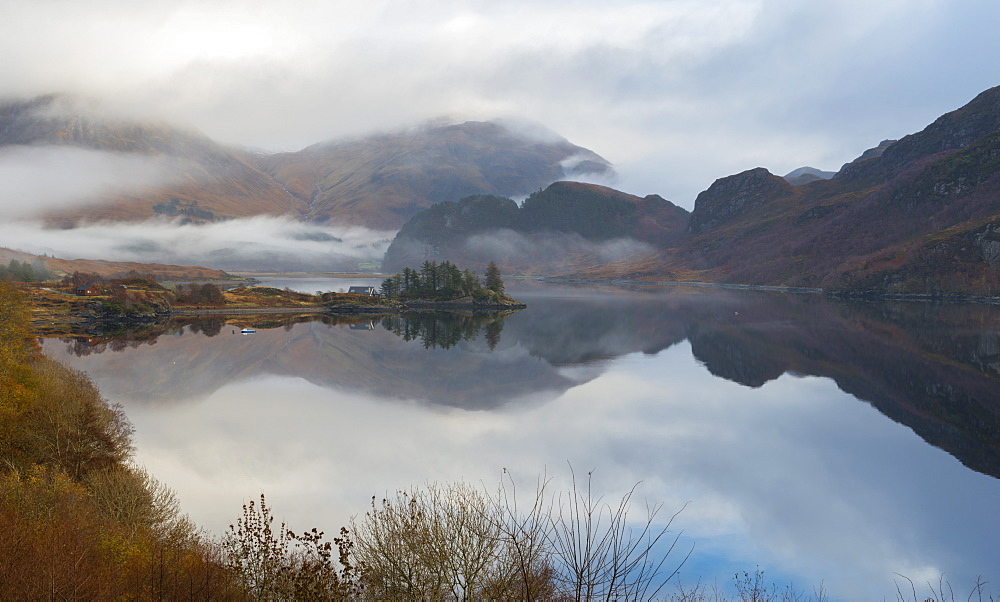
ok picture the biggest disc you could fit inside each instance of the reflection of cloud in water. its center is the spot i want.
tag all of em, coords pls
(803, 479)
(581, 373)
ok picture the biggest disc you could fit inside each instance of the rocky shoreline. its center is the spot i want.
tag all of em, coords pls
(97, 317)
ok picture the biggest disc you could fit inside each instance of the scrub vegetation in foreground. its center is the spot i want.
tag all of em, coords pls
(81, 520)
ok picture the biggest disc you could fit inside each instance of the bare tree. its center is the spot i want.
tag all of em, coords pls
(455, 542)
(438, 542)
(276, 564)
(587, 548)
(525, 531)
(600, 555)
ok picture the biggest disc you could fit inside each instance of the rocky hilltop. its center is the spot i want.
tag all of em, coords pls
(806, 175)
(734, 196)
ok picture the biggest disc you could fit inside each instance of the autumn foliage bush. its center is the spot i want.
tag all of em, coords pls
(78, 519)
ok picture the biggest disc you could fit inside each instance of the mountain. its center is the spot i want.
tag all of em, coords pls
(917, 216)
(198, 179)
(563, 227)
(377, 181)
(381, 181)
(805, 175)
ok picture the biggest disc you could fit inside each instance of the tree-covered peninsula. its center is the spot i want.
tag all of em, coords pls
(446, 284)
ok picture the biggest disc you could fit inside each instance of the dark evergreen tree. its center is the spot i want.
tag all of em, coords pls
(40, 271)
(388, 289)
(470, 282)
(428, 277)
(493, 280)
(411, 281)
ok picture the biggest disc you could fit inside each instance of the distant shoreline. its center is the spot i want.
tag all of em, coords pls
(798, 290)
(259, 275)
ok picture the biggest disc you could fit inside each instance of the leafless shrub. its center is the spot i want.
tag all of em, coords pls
(276, 564)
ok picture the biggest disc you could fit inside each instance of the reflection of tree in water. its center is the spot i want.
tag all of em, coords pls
(104, 337)
(445, 329)
(493, 333)
(84, 346)
(209, 327)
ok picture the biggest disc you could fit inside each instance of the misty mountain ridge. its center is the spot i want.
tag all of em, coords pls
(381, 181)
(377, 181)
(920, 215)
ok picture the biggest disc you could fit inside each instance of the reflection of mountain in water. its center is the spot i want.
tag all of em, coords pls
(440, 361)
(932, 367)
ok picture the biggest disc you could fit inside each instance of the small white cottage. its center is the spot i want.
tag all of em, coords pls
(362, 290)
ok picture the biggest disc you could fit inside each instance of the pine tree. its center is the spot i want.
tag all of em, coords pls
(493, 280)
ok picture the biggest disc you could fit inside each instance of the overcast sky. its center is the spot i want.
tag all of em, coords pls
(675, 93)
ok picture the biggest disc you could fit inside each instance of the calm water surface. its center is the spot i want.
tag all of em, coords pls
(823, 441)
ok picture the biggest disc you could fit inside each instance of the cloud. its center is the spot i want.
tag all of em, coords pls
(676, 93)
(40, 178)
(37, 179)
(258, 243)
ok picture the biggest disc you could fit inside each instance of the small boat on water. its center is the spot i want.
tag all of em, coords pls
(248, 331)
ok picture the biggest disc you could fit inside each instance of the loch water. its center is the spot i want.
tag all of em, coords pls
(821, 441)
